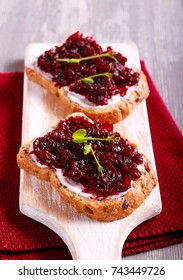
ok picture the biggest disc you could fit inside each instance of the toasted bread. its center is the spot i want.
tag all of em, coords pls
(111, 113)
(106, 209)
(109, 98)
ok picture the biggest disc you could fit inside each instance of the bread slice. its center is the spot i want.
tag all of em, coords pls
(111, 113)
(107, 209)
(120, 88)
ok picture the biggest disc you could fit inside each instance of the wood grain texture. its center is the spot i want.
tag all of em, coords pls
(155, 26)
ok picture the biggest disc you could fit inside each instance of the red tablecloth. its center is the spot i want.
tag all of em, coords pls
(24, 238)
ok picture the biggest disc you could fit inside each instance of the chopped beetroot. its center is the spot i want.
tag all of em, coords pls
(69, 74)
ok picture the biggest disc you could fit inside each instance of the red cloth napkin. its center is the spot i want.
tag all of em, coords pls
(24, 238)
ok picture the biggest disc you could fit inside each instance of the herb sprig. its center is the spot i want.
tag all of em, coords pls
(89, 79)
(77, 60)
(79, 136)
(87, 149)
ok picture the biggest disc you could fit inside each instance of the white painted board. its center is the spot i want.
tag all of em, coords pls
(86, 239)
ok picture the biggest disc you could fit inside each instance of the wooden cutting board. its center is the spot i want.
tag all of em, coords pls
(86, 239)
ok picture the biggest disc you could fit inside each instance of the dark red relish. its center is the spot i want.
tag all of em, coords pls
(119, 158)
(68, 74)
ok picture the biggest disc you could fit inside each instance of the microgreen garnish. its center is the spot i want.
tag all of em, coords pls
(89, 79)
(77, 60)
(79, 136)
(87, 149)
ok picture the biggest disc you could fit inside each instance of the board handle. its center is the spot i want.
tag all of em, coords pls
(108, 246)
(89, 239)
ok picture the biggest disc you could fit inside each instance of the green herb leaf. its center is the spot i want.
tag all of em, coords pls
(87, 149)
(100, 170)
(89, 79)
(79, 133)
(79, 136)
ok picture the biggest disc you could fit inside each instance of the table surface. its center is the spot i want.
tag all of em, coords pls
(155, 26)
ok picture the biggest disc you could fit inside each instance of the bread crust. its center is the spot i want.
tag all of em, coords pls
(111, 114)
(103, 210)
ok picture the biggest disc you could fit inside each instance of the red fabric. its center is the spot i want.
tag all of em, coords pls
(24, 238)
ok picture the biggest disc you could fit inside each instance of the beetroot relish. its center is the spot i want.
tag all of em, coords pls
(57, 150)
(68, 74)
